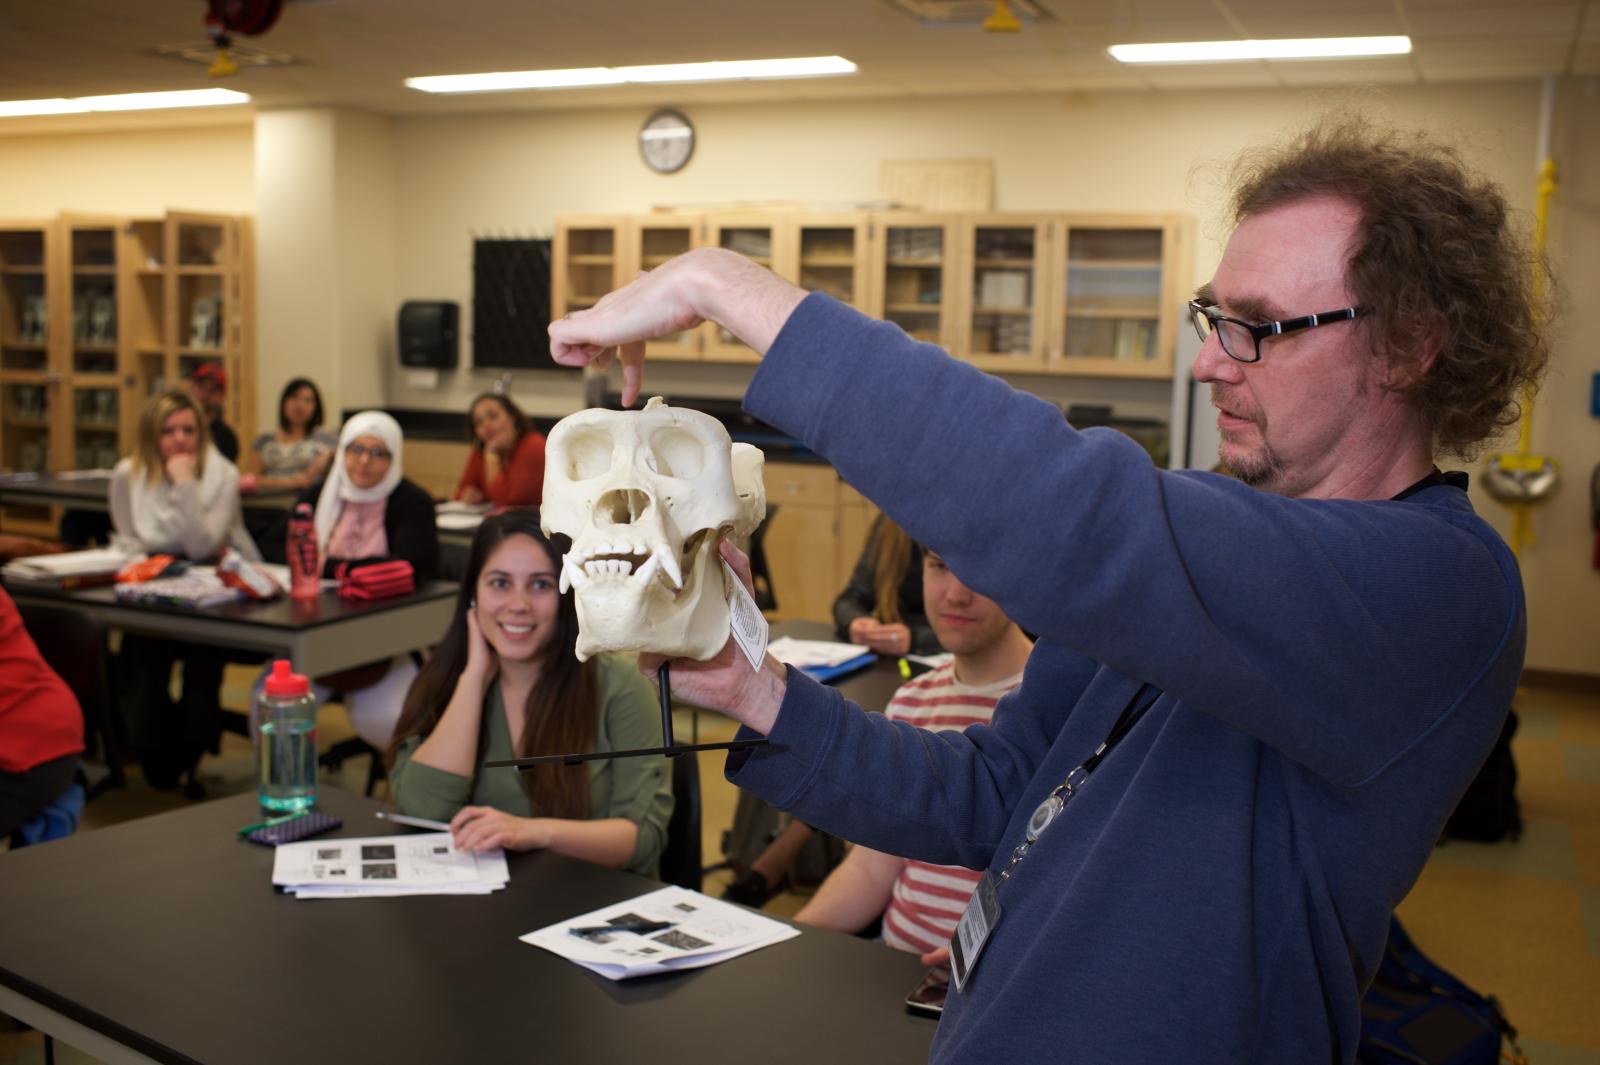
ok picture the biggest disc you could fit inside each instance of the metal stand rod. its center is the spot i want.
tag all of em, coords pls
(664, 681)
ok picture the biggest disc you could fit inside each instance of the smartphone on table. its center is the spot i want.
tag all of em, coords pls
(927, 997)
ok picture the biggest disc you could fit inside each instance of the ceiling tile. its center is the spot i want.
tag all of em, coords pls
(1387, 70)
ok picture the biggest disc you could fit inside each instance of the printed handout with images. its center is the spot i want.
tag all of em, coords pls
(375, 866)
(698, 930)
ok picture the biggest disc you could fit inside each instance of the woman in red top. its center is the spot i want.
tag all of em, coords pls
(41, 727)
(507, 463)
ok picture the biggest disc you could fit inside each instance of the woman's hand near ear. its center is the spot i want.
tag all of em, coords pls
(482, 662)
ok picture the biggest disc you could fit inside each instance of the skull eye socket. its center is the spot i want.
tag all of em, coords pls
(588, 454)
(675, 453)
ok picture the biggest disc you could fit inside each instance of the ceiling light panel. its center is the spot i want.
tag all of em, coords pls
(1247, 50)
(131, 101)
(734, 70)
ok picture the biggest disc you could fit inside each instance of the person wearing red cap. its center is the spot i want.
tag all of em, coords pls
(208, 384)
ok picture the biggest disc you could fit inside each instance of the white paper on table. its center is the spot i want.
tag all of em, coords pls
(458, 522)
(803, 653)
(704, 931)
(70, 564)
(424, 860)
(456, 506)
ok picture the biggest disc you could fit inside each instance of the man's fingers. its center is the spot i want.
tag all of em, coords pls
(740, 563)
(632, 356)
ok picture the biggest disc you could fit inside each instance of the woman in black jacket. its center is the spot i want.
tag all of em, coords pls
(367, 512)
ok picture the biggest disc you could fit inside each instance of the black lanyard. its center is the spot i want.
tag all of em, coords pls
(1056, 801)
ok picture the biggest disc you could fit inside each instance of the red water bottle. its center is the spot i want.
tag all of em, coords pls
(305, 572)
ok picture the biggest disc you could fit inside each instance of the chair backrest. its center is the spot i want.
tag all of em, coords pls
(74, 645)
(680, 858)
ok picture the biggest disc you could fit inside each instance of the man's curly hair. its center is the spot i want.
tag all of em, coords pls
(1435, 257)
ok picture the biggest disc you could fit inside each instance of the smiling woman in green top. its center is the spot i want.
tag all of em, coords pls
(505, 683)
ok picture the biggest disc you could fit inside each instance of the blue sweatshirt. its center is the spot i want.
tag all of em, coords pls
(1333, 673)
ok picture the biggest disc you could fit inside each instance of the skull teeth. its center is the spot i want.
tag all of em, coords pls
(572, 575)
(663, 555)
(640, 563)
(648, 571)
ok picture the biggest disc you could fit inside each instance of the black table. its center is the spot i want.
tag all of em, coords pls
(93, 493)
(162, 939)
(319, 636)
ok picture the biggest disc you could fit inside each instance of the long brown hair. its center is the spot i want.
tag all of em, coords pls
(147, 453)
(564, 705)
(891, 557)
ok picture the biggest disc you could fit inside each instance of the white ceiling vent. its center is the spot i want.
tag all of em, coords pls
(968, 13)
(246, 55)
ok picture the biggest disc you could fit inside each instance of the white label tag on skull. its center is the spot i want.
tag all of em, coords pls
(744, 618)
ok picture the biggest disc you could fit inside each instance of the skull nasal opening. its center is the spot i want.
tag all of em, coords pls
(621, 506)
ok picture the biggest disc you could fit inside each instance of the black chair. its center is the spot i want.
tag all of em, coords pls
(680, 858)
(74, 645)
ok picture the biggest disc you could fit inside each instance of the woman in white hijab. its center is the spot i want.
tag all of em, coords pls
(367, 512)
(175, 495)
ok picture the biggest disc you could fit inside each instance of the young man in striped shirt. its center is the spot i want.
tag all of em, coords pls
(920, 902)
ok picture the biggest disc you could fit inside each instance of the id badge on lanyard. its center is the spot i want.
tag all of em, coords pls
(972, 932)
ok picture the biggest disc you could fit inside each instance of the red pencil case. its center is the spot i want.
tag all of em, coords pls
(380, 580)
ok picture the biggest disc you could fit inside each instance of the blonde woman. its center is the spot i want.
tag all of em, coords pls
(175, 495)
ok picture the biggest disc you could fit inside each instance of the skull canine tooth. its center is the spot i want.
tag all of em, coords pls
(663, 555)
(647, 572)
(572, 575)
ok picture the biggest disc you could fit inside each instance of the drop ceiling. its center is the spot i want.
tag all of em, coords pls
(355, 53)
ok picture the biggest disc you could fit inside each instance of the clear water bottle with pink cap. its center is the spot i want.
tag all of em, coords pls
(286, 741)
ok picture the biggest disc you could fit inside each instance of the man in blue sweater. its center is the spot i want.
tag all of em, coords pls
(1261, 696)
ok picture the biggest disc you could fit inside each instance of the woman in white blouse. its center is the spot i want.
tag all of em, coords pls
(175, 495)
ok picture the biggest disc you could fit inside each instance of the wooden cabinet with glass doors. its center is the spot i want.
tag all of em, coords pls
(97, 314)
(1118, 287)
(915, 265)
(652, 240)
(586, 261)
(1002, 276)
(1085, 295)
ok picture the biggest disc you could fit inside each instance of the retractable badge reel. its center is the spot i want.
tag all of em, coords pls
(983, 911)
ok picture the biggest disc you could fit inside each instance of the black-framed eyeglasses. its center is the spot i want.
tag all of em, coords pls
(1242, 340)
(361, 451)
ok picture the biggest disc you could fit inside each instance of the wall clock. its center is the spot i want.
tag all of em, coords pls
(666, 141)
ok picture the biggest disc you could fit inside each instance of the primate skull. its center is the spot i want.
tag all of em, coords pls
(646, 496)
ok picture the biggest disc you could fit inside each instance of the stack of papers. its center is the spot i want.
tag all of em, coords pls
(700, 931)
(384, 866)
(67, 570)
(823, 659)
